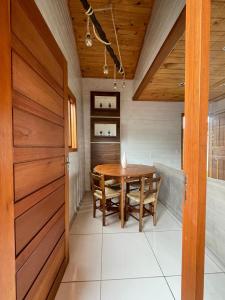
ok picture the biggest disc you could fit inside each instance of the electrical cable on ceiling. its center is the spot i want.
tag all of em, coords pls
(101, 36)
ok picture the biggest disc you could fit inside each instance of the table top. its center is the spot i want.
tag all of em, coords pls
(116, 170)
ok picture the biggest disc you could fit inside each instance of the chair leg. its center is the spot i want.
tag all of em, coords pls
(154, 214)
(103, 212)
(94, 207)
(126, 208)
(141, 218)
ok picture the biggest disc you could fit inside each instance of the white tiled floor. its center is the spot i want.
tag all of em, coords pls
(111, 263)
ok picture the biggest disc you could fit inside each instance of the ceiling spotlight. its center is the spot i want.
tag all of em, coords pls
(115, 85)
(223, 48)
(123, 84)
(88, 40)
(105, 69)
(181, 84)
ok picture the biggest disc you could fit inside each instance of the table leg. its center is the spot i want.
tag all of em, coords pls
(122, 201)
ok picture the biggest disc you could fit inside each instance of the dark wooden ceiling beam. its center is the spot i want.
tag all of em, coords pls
(175, 34)
(103, 36)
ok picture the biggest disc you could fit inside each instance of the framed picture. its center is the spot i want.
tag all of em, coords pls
(105, 104)
(105, 130)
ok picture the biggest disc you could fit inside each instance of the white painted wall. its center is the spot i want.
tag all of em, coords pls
(150, 131)
(218, 106)
(56, 15)
(164, 16)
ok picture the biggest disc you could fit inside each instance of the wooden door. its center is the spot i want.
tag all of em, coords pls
(39, 87)
(216, 165)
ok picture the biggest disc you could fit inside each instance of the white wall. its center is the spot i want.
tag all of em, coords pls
(56, 15)
(216, 107)
(164, 16)
(150, 131)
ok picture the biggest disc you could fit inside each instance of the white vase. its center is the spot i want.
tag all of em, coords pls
(124, 161)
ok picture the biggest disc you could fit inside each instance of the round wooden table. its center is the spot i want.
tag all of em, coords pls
(116, 170)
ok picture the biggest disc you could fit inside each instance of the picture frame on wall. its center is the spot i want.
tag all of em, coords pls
(105, 104)
(105, 130)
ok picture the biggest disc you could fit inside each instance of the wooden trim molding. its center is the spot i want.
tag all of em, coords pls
(72, 124)
(66, 126)
(195, 146)
(7, 247)
(175, 34)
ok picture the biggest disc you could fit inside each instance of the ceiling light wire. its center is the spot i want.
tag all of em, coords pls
(121, 70)
(98, 37)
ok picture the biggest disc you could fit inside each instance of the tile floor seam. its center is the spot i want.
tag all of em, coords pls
(214, 261)
(150, 246)
(116, 279)
(99, 283)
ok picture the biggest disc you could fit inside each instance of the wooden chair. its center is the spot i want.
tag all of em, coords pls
(112, 183)
(146, 196)
(103, 197)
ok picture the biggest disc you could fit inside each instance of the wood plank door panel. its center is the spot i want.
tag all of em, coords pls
(31, 176)
(32, 131)
(29, 83)
(31, 222)
(31, 268)
(39, 110)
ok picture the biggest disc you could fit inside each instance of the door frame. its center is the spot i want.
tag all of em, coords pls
(195, 146)
(7, 245)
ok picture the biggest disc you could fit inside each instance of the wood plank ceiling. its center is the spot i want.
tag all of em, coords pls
(131, 18)
(168, 82)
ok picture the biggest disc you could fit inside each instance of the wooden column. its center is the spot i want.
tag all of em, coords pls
(7, 251)
(195, 146)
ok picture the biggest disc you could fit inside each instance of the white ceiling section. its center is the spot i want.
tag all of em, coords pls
(164, 16)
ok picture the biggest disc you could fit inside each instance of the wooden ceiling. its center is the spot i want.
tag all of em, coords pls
(167, 83)
(131, 18)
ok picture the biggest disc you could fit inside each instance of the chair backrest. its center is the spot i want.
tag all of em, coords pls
(97, 183)
(157, 180)
(150, 185)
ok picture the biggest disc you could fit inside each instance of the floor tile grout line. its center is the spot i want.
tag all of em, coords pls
(169, 230)
(217, 264)
(150, 246)
(132, 278)
(115, 279)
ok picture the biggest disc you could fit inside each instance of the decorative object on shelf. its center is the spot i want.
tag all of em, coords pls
(100, 105)
(100, 35)
(100, 132)
(124, 160)
(109, 132)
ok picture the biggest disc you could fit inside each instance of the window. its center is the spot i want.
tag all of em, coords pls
(215, 145)
(72, 122)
